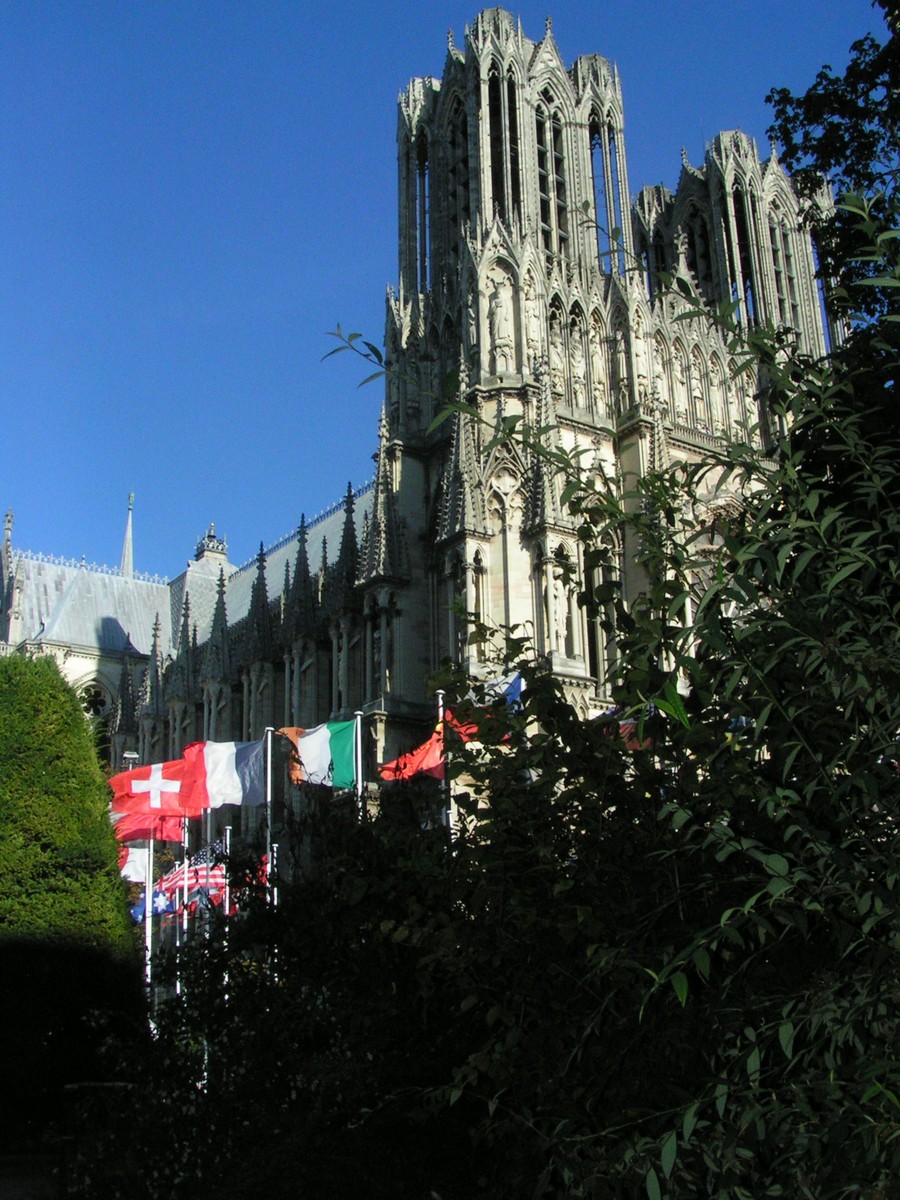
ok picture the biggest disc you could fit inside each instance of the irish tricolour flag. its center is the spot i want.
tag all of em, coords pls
(326, 753)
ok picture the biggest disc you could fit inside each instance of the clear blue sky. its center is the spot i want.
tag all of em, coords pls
(193, 192)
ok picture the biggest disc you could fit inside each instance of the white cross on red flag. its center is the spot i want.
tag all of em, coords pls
(154, 789)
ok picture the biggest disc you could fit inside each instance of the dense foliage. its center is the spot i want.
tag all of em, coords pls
(845, 129)
(66, 949)
(660, 964)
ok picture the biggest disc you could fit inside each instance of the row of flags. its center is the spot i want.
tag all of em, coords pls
(152, 801)
(200, 882)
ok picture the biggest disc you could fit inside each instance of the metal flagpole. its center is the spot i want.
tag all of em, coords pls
(269, 732)
(148, 919)
(228, 871)
(184, 878)
(208, 839)
(445, 789)
(357, 763)
(181, 926)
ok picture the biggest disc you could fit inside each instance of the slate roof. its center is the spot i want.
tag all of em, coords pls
(80, 605)
(98, 608)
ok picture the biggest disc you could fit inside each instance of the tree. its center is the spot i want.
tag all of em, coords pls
(845, 130)
(66, 950)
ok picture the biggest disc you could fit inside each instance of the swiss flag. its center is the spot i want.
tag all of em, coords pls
(155, 789)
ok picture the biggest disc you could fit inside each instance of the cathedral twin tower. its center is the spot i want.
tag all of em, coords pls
(528, 287)
(527, 274)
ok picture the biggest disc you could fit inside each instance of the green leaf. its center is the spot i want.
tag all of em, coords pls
(786, 1038)
(777, 864)
(668, 1154)
(651, 1182)
(680, 984)
(689, 1122)
(753, 1065)
(370, 378)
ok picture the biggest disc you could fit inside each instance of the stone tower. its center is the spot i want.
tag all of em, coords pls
(526, 280)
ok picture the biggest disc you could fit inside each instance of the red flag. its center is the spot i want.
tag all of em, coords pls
(155, 789)
(138, 826)
(427, 759)
(466, 731)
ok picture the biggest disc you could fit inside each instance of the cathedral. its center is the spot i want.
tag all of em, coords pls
(528, 275)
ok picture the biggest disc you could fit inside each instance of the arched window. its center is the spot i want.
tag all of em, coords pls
(495, 122)
(423, 203)
(512, 124)
(551, 177)
(458, 202)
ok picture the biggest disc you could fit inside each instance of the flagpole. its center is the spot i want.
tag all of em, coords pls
(227, 873)
(184, 879)
(269, 732)
(148, 919)
(208, 839)
(357, 763)
(445, 788)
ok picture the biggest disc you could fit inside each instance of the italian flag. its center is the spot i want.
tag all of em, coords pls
(325, 753)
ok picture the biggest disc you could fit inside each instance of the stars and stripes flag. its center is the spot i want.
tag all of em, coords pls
(206, 870)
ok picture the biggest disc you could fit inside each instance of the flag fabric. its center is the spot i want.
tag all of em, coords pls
(160, 905)
(325, 753)
(466, 731)
(218, 773)
(291, 734)
(205, 870)
(133, 865)
(139, 826)
(427, 759)
(157, 789)
(507, 688)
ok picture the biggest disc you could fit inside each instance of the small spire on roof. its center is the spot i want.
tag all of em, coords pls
(126, 567)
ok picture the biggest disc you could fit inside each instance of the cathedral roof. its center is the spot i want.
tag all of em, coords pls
(80, 605)
(328, 526)
(77, 604)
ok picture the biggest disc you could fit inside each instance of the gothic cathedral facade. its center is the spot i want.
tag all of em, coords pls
(528, 278)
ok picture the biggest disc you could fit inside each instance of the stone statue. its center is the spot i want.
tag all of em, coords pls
(500, 321)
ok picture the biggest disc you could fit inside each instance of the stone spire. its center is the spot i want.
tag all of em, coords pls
(150, 703)
(383, 553)
(125, 715)
(182, 686)
(6, 575)
(347, 561)
(126, 567)
(258, 640)
(217, 657)
(462, 507)
(300, 619)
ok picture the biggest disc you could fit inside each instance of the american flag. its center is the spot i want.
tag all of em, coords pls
(205, 870)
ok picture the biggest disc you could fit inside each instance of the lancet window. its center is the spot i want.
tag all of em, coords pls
(551, 177)
(783, 265)
(505, 149)
(458, 202)
(607, 194)
(423, 204)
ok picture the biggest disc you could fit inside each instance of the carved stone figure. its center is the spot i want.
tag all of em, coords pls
(501, 325)
(579, 382)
